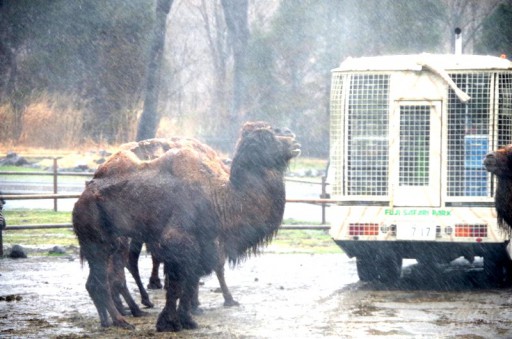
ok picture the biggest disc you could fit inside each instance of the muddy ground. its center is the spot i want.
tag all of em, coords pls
(281, 295)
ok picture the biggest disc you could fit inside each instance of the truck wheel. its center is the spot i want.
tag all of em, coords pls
(366, 269)
(390, 268)
(497, 268)
(386, 269)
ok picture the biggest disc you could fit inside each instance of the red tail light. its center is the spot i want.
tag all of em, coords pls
(363, 229)
(471, 231)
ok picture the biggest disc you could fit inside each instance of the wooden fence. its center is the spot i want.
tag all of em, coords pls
(55, 196)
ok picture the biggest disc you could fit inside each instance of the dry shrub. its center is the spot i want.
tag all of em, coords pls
(7, 122)
(52, 121)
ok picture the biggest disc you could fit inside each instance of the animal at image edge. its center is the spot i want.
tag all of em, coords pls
(3, 225)
(499, 163)
(186, 208)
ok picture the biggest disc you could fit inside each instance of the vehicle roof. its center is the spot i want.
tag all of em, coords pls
(414, 62)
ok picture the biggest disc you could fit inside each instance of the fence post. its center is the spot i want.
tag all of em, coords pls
(55, 183)
(323, 196)
(1, 244)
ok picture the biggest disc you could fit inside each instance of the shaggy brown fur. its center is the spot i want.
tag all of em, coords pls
(182, 209)
(150, 150)
(499, 163)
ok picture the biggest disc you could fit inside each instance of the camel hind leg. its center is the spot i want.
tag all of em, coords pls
(133, 267)
(117, 279)
(122, 289)
(100, 292)
(97, 245)
(99, 288)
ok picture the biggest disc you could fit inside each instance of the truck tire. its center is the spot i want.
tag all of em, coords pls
(386, 269)
(366, 269)
(390, 269)
(497, 268)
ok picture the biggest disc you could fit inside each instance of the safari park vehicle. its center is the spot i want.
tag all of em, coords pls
(408, 135)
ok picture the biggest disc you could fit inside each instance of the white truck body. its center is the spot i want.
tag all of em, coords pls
(408, 135)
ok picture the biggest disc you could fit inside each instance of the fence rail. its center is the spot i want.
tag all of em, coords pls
(323, 201)
(69, 225)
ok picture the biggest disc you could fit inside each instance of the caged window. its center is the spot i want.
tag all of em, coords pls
(504, 109)
(468, 135)
(414, 145)
(367, 135)
(470, 130)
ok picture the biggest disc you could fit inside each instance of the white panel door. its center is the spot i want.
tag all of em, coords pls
(416, 164)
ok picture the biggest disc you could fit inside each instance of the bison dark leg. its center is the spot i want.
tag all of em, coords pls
(99, 290)
(228, 298)
(154, 280)
(133, 267)
(168, 320)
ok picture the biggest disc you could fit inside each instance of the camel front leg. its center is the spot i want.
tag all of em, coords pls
(190, 289)
(228, 298)
(168, 320)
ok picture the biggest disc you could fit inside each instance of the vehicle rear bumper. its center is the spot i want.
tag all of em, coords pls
(420, 249)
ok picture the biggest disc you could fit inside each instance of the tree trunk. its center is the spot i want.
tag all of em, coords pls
(150, 117)
(235, 14)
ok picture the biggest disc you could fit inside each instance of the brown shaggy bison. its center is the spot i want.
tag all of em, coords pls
(499, 163)
(182, 210)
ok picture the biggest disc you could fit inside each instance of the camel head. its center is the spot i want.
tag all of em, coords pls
(499, 162)
(262, 146)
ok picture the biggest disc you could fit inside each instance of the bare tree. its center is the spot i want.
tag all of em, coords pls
(468, 15)
(215, 33)
(235, 14)
(150, 117)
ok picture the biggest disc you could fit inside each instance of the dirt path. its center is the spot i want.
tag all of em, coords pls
(281, 296)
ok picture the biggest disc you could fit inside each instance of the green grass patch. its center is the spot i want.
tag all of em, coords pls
(18, 169)
(40, 237)
(28, 217)
(304, 241)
